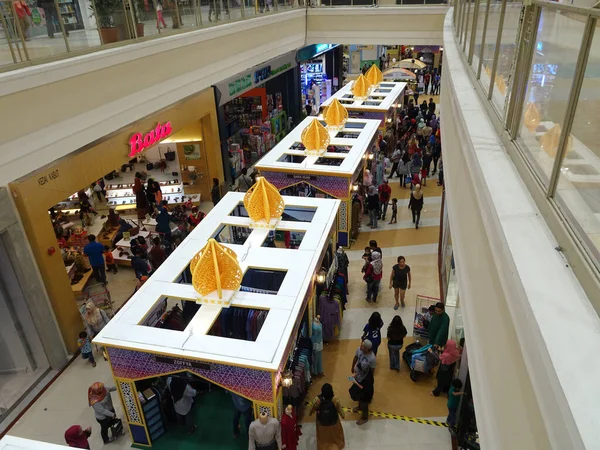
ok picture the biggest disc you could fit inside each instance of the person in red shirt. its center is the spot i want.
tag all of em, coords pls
(385, 192)
(109, 259)
(195, 217)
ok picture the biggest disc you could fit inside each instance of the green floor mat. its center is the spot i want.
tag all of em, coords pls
(213, 414)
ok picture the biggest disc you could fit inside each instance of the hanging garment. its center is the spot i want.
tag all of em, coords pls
(317, 342)
(329, 310)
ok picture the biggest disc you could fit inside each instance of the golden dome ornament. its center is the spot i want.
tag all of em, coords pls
(361, 88)
(501, 84)
(335, 115)
(264, 204)
(550, 140)
(531, 118)
(216, 274)
(315, 138)
(374, 76)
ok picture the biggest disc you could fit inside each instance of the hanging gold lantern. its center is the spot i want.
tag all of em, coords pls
(315, 138)
(216, 274)
(361, 88)
(550, 139)
(264, 204)
(501, 84)
(335, 115)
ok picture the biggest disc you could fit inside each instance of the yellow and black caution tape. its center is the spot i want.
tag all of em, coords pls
(397, 417)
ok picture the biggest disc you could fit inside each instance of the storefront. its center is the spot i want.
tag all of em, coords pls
(335, 174)
(320, 72)
(187, 130)
(255, 108)
(180, 325)
(381, 104)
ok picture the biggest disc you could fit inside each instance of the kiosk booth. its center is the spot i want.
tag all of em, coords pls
(330, 175)
(381, 103)
(277, 284)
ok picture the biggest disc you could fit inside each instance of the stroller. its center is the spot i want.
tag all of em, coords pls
(420, 359)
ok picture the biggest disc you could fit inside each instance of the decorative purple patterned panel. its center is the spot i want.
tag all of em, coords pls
(335, 186)
(252, 383)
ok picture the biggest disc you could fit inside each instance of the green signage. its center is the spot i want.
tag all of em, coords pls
(240, 84)
(280, 69)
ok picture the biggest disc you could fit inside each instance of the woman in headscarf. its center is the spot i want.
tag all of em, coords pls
(330, 434)
(373, 276)
(99, 399)
(183, 400)
(77, 437)
(373, 206)
(95, 319)
(415, 168)
(415, 204)
(372, 330)
(445, 373)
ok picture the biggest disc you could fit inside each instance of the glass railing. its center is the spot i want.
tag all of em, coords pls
(382, 3)
(39, 31)
(539, 66)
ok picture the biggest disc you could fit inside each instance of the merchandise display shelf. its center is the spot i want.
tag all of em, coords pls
(267, 352)
(381, 99)
(17, 443)
(127, 243)
(364, 135)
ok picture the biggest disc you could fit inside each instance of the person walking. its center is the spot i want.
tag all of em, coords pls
(400, 280)
(95, 319)
(395, 159)
(445, 372)
(404, 168)
(439, 326)
(396, 333)
(416, 204)
(243, 407)
(373, 276)
(95, 253)
(363, 371)
(453, 400)
(330, 434)
(385, 193)
(372, 331)
(373, 206)
(100, 401)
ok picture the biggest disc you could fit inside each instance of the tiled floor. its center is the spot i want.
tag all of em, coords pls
(65, 402)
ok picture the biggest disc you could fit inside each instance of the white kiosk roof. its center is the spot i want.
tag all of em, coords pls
(380, 99)
(17, 443)
(355, 137)
(125, 329)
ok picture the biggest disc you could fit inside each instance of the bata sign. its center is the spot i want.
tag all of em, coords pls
(139, 142)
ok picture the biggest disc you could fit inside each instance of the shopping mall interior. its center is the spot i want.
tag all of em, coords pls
(195, 255)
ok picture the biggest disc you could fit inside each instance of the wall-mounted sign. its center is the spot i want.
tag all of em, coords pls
(310, 51)
(139, 142)
(254, 77)
(182, 363)
(240, 85)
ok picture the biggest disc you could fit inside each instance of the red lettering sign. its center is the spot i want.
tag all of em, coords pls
(139, 143)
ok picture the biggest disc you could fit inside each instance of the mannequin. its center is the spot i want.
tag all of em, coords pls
(317, 342)
(290, 432)
(264, 434)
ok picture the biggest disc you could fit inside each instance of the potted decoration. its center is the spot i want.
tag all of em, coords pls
(104, 11)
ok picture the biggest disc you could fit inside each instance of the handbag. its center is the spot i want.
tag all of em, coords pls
(116, 428)
(170, 155)
(149, 166)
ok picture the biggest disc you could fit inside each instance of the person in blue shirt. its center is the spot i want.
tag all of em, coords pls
(95, 253)
(372, 331)
(139, 264)
(163, 220)
(242, 406)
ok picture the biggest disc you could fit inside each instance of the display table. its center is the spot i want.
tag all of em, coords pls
(106, 238)
(127, 243)
(139, 348)
(333, 173)
(80, 286)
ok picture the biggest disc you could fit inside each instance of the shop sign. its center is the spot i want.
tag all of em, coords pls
(46, 178)
(240, 84)
(182, 363)
(300, 176)
(138, 142)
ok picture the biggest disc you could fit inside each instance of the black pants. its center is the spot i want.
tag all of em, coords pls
(51, 16)
(99, 273)
(435, 162)
(394, 169)
(416, 213)
(105, 425)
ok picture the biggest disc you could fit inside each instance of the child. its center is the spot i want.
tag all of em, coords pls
(453, 399)
(86, 347)
(110, 260)
(394, 210)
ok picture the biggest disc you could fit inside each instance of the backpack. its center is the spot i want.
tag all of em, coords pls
(327, 414)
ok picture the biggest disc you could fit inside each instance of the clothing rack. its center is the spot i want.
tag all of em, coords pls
(239, 323)
(172, 320)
